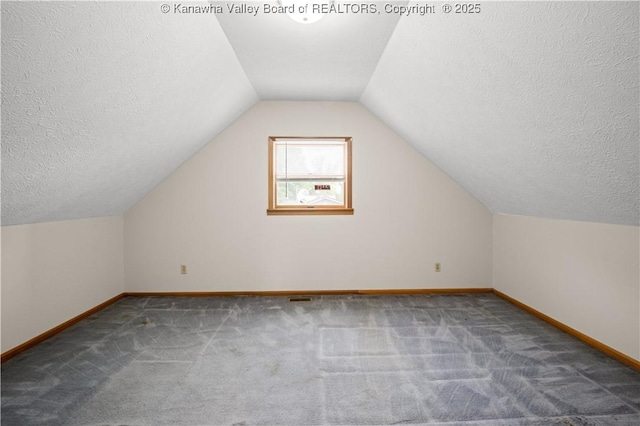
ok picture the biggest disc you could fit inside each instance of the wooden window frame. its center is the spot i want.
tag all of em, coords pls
(275, 210)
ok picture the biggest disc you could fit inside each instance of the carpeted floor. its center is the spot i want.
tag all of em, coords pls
(338, 360)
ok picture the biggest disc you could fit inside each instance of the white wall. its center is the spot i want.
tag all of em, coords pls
(211, 215)
(1, 298)
(54, 271)
(585, 275)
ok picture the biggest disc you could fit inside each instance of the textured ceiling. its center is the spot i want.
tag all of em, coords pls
(332, 59)
(533, 107)
(101, 101)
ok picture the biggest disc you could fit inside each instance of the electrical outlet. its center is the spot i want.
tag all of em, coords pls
(438, 267)
(183, 269)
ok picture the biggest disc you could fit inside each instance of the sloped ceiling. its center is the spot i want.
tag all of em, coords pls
(102, 101)
(533, 107)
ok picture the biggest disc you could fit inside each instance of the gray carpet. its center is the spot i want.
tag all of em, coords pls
(338, 360)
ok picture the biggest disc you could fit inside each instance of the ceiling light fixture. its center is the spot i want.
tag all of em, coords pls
(304, 11)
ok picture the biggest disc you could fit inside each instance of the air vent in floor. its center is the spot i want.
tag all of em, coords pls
(300, 299)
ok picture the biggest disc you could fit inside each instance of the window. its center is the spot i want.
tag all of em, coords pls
(309, 176)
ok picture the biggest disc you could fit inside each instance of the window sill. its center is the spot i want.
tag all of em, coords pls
(308, 212)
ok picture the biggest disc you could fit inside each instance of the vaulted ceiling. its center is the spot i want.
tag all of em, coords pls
(532, 107)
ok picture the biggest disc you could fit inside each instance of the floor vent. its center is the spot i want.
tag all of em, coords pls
(300, 299)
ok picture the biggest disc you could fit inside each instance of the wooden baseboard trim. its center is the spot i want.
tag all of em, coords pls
(407, 291)
(50, 333)
(625, 359)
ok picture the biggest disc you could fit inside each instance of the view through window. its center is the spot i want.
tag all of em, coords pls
(310, 175)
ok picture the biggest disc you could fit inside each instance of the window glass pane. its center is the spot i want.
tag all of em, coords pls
(299, 160)
(310, 193)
